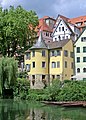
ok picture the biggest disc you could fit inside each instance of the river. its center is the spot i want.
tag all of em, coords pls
(25, 110)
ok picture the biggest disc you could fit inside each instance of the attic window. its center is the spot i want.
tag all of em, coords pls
(47, 34)
(83, 39)
(78, 24)
(85, 22)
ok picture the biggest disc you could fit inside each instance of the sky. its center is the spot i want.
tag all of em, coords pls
(68, 8)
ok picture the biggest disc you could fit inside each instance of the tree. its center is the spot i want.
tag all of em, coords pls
(17, 27)
(8, 73)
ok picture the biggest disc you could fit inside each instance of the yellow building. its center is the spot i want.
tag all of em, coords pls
(45, 62)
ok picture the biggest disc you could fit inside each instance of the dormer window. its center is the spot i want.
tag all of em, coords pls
(85, 22)
(79, 23)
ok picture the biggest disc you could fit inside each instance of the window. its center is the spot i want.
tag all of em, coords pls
(43, 64)
(59, 37)
(85, 22)
(78, 70)
(58, 76)
(33, 80)
(58, 64)
(78, 49)
(53, 65)
(78, 24)
(28, 67)
(78, 59)
(53, 76)
(62, 28)
(33, 64)
(59, 29)
(65, 64)
(84, 69)
(72, 65)
(84, 59)
(71, 54)
(33, 53)
(27, 56)
(47, 34)
(58, 52)
(83, 39)
(52, 53)
(33, 77)
(66, 37)
(43, 77)
(65, 53)
(55, 39)
(43, 53)
(84, 49)
(63, 37)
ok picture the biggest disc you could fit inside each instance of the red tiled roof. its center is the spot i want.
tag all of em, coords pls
(77, 19)
(63, 17)
(43, 26)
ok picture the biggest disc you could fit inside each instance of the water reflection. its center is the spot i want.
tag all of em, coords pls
(25, 110)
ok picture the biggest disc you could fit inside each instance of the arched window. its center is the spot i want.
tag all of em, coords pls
(78, 70)
(84, 69)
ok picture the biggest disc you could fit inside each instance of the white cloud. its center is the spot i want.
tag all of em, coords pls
(69, 8)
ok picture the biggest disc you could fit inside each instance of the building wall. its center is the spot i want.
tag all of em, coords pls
(61, 33)
(38, 71)
(68, 72)
(55, 71)
(81, 64)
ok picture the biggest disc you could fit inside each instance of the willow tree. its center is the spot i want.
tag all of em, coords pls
(17, 27)
(8, 73)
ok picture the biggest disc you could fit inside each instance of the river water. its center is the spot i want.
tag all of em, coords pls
(25, 110)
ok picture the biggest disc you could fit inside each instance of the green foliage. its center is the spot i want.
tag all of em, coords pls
(21, 88)
(16, 29)
(8, 73)
(23, 74)
(61, 91)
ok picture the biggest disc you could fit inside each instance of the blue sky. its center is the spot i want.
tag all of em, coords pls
(68, 8)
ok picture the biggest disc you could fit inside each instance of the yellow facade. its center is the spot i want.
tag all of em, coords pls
(57, 62)
(38, 59)
(69, 71)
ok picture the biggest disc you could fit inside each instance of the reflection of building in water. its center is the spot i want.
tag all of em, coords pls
(37, 114)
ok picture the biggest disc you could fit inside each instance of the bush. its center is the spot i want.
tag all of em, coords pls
(21, 88)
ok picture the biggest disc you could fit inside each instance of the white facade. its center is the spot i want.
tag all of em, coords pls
(80, 57)
(64, 31)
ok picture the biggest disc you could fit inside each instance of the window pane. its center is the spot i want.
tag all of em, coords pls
(65, 53)
(84, 49)
(78, 49)
(65, 64)
(84, 59)
(78, 59)
(52, 53)
(84, 69)
(43, 53)
(78, 70)
(43, 64)
(71, 54)
(33, 64)
(28, 67)
(58, 64)
(53, 65)
(33, 53)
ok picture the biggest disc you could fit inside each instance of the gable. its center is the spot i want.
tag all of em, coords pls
(79, 41)
(61, 24)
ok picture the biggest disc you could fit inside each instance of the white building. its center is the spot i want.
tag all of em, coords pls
(80, 57)
(65, 30)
